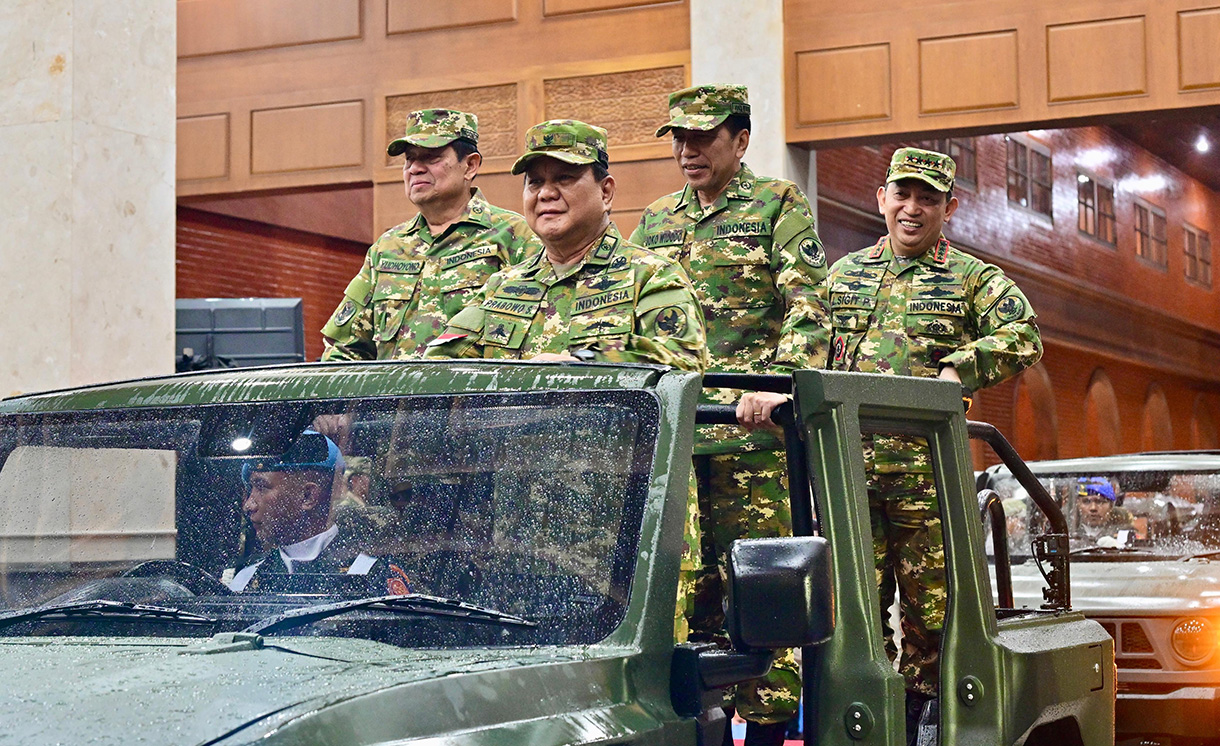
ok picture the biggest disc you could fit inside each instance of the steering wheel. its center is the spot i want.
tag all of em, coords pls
(192, 578)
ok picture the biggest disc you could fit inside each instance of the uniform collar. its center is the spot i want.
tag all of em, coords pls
(883, 253)
(309, 549)
(741, 186)
(600, 253)
(477, 211)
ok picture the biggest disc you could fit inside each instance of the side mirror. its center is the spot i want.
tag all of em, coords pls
(779, 593)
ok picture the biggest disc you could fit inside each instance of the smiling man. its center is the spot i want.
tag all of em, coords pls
(590, 294)
(418, 275)
(912, 305)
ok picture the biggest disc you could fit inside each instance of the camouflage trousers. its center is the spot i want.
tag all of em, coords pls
(741, 495)
(909, 554)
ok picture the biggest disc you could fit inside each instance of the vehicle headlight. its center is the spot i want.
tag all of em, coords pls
(1194, 639)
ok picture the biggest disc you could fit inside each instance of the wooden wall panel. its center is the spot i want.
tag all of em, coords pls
(1198, 37)
(630, 105)
(305, 138)
(1075, 70)
(208, 27)
(968, 73)
(203, 147)
(843, 85)
(495, 106)
(995, 65)
(561, 7)
(404, 16)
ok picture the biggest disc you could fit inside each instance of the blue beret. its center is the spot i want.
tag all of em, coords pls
(1099, 486)
(313, 451)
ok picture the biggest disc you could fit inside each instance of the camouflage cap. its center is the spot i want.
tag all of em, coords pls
(566, 140)
(935, 169)
(704, 107)
(436, 128)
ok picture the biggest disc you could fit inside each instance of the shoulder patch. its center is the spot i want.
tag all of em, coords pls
(672, 321)
(608, 244)
(345, 312)
(811, 252)
(1010, 308)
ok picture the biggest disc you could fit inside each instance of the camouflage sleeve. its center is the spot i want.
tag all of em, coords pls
(637, 235)
(461, 337)
(801, 282)
(348, 334)
(1007, 340)
(669, 327)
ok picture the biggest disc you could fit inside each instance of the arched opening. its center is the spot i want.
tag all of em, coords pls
(1102, 428)
(1203, 432)
(1156, 433)
(1035, 419)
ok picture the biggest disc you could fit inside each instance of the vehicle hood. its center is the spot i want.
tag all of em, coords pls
(117, 691)
(1164, 586)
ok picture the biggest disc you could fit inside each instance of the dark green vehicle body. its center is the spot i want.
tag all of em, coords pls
(1036, 677)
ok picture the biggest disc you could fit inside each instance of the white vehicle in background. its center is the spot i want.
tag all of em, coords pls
(1148, 570)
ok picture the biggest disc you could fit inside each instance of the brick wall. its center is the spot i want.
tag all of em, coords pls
(1053, 250)
(223, 257)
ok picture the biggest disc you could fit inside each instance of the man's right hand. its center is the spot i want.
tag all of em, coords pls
(755, 408)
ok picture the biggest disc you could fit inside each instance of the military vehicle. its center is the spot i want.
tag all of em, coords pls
(512, 547)
(1145, 563)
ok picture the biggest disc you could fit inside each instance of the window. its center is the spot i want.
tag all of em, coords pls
(1095, 209)
(1150, 241)
(1029, 176)
(961, 150)
(1198, 256)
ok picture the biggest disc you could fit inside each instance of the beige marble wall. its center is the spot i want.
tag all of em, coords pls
(87, 131)
(743, 42)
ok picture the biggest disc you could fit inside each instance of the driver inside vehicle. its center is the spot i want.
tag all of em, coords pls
(1100, 519)
(288, 502)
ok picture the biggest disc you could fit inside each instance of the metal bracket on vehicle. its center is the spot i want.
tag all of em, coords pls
(1053, 550)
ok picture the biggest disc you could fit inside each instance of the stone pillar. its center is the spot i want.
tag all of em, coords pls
(87, 130)
(743, 42)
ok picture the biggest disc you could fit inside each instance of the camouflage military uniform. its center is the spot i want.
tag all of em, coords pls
(412, 281)
(759, 270)
(911, 318)
(622, 302)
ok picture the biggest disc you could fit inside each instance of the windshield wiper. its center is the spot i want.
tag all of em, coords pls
(1106, 550)
(1209, 554)
(412, 603)
(103, 609)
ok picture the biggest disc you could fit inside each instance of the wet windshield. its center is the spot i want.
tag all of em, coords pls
(528, 504)
(1165, 512)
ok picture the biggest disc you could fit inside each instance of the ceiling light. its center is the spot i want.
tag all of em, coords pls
(1202, 144)
(1082, 178)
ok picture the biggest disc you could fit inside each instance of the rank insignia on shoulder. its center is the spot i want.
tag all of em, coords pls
(812, 253)
(672, 321)
(878, 250)
(442, 339)
(1010, 308)
(345, 312)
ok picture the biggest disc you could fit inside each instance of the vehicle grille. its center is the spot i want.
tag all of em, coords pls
(1137, 663)
(1134, 639)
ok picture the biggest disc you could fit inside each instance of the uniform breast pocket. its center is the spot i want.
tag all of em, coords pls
(457, 286)
(604, 324)
(500, 330)
(391, 299)
(741, 275)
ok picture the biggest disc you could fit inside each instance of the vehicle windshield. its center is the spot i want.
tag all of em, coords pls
(1165, 512)
(530, 504)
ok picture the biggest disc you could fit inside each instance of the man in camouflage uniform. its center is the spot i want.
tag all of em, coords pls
(758, 267)
(913, 305)
(590, 292)
(418, 275)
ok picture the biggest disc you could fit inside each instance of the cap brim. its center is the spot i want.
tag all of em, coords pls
(938, 186)
(559, 155)
(701, 122)
(399, 146)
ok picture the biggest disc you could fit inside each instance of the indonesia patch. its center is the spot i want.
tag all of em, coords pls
(1010, 308)
(812, 253)
(672, 321)
(345, 312)
(446, 338)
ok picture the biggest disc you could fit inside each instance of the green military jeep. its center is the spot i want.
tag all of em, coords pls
(503, 545)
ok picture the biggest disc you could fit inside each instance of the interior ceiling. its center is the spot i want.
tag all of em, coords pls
(1173, 136)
